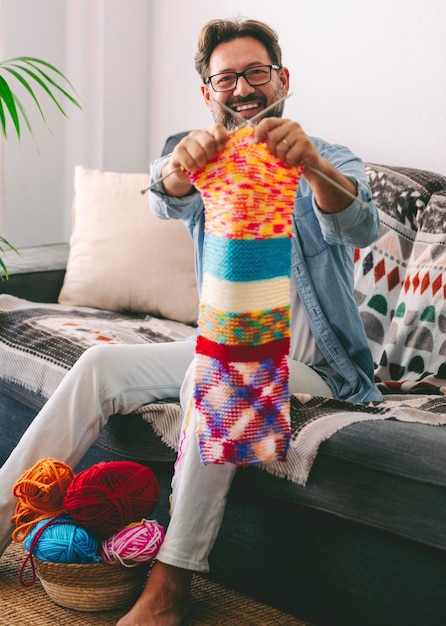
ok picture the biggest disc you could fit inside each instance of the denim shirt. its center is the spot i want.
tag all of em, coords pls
(322, 266)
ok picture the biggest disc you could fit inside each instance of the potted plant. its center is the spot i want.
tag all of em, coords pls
(29, 72)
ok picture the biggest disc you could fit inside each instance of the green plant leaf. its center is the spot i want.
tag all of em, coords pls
(3, 271)
(33, 63)
(7, 97)
(27, 86)
(6, 243)
(34, 60)
(23, 69)
(2, 118)
(25, 117)
(43, 85)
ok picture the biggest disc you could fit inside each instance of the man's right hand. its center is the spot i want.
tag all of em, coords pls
(191, 154)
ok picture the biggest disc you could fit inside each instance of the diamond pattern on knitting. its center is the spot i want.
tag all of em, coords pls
(243, 410)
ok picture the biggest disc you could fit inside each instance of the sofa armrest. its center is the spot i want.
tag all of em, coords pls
(37, 273)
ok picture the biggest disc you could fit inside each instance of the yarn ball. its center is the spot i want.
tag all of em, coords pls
(110, 495)
(40, 492)
(62, 541)
(136, 543)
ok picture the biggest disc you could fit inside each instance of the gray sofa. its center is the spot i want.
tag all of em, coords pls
(359, 541)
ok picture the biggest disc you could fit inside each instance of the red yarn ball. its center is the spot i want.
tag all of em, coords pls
(108, 496)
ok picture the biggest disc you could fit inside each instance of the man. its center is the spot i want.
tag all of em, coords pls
(241, 67)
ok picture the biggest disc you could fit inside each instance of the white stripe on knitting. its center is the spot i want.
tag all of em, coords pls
(245, 297)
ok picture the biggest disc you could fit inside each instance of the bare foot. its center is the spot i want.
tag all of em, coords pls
(164, 600)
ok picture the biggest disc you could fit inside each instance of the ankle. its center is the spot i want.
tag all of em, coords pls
(177, 578)
(164, 601)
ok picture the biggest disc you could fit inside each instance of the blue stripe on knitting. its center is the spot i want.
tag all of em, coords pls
(247, 259)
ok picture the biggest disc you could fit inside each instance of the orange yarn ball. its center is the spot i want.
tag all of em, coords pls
(110, 495)
(40, 491)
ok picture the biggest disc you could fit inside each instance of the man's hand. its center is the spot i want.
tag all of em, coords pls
(191, 154)
(286, 140)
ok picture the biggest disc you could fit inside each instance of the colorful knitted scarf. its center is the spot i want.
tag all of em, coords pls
(241, 376)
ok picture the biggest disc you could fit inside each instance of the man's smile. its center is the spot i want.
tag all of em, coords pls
(247, 108)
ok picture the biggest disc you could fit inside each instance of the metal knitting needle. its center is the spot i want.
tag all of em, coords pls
(143, 191)
(307, 165)
(335, 184)
(268, 108)
(249, 122)
(245, 122)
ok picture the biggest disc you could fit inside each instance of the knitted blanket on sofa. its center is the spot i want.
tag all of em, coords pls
(400, 286)
(39, 343)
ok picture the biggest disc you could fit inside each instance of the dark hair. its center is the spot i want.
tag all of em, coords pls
(216, 32)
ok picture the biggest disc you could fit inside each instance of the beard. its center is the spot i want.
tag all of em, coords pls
(231, 123)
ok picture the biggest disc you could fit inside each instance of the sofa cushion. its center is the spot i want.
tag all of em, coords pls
(400, 283)
(37, 272)
(360, 466)
(122, 257)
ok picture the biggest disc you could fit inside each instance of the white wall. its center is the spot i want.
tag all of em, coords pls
(103, 47)
(32, 182)
(366, 73)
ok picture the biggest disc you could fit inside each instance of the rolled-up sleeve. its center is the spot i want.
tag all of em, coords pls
(162, 205)
(357, 224)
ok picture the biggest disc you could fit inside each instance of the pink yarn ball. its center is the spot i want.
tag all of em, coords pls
(136, 543)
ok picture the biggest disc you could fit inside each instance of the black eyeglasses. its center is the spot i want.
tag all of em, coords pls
(254, 76)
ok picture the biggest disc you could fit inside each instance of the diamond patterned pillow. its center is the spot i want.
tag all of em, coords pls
(400, 280)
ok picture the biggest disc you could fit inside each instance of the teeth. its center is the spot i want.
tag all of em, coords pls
(246, 107)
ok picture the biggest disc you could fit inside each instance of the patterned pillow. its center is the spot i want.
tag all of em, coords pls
(400, 280)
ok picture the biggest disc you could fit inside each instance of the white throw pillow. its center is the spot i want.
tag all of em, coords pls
(122, 257)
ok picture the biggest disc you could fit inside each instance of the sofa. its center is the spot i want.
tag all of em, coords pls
(350, 532)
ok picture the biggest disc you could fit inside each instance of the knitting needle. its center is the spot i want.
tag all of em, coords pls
(246, 122)
(335, 184)
(268, 108)
(177, 169)
(307, 165)
(249, 122)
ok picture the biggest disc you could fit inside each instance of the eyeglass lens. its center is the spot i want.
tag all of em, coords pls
(255, 76)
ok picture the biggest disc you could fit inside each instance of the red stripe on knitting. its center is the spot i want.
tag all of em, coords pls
(244, 354)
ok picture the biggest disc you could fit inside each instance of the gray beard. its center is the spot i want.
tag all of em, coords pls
(231, 123)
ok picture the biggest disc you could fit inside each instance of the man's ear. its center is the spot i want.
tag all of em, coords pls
(206, 95)
(284, 76)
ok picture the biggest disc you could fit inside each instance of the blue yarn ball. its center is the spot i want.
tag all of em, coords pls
(63, 542)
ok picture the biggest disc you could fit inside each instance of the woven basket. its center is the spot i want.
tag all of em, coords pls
(91, 587)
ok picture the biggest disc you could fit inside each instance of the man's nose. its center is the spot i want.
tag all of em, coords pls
(243, 87)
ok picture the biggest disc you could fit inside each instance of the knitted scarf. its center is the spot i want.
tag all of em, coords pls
(241, 376)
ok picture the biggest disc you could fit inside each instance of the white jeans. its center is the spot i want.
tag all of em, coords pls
(119, 379)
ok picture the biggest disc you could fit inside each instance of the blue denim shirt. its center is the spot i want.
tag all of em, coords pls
(322, 266)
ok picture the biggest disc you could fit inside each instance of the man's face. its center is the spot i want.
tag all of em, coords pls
(236, 56)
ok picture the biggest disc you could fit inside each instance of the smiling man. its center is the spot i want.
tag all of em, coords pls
(240, 64)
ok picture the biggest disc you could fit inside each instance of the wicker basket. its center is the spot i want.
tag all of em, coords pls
(91, 587)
